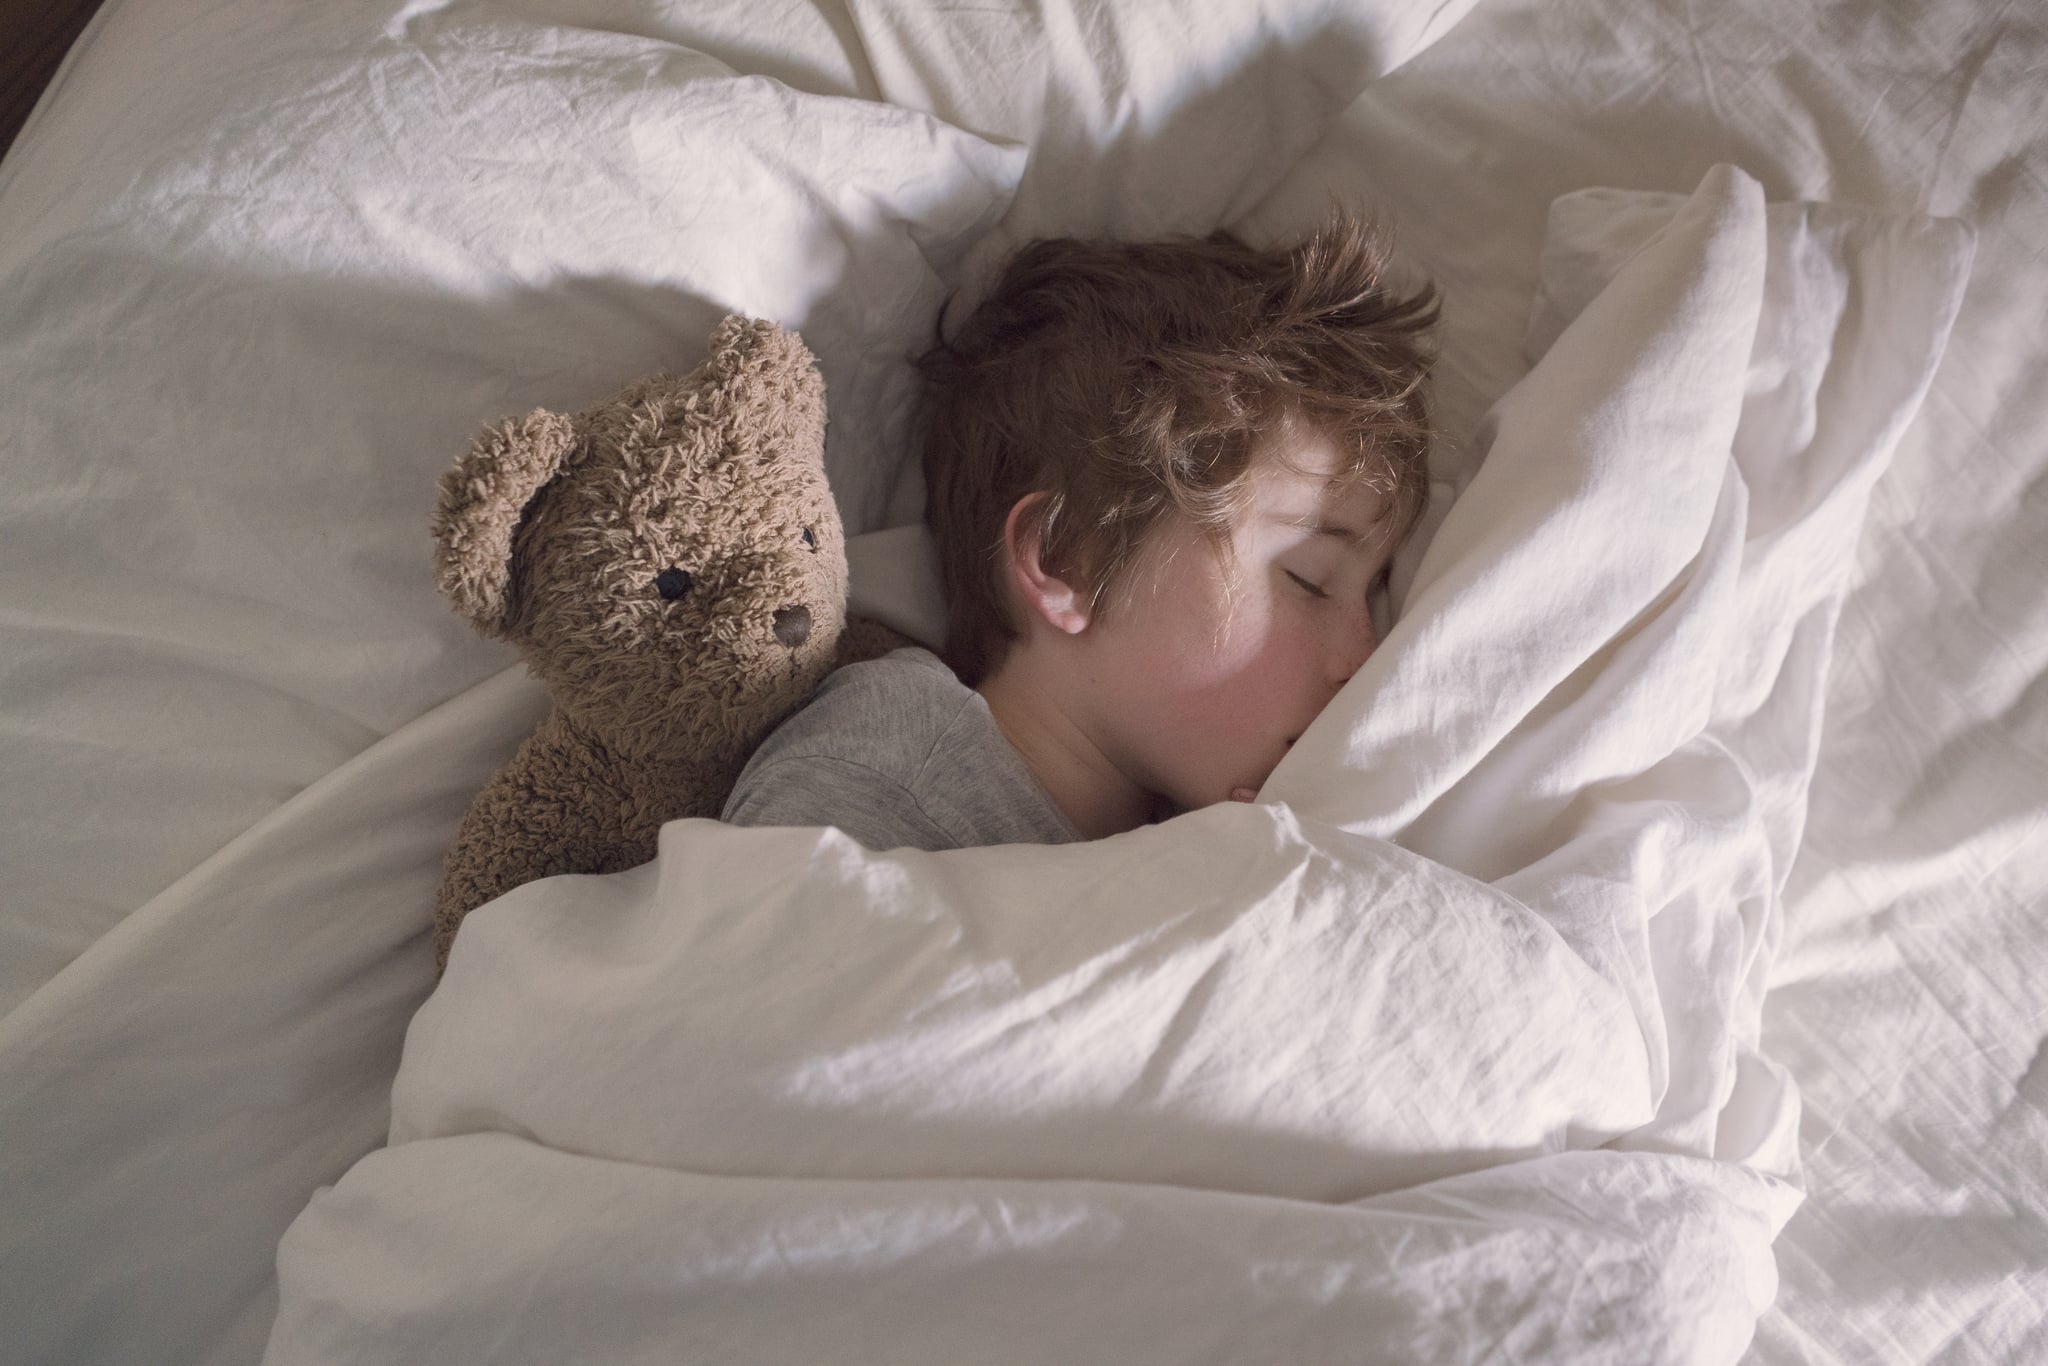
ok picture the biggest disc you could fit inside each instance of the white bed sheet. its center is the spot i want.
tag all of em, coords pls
(1052, 1055)
(1905, 998)
(261, 275)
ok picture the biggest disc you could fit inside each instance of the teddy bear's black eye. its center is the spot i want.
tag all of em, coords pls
(810, 541)
(673, 583)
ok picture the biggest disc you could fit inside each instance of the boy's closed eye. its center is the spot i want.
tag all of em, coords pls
(1313, 590)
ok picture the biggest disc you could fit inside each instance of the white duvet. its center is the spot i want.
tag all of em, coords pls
(1444, 1049)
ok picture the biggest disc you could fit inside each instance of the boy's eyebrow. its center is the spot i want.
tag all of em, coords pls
(1342, 533)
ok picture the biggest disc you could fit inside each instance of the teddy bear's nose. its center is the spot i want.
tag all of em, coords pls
(793, 625)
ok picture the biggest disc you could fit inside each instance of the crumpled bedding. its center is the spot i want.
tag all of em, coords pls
(262, 272)
(1448, 1044)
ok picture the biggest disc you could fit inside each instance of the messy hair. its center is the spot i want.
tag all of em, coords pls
(1134, 382)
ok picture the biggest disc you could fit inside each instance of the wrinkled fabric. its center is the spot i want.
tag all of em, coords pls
(1486, 944)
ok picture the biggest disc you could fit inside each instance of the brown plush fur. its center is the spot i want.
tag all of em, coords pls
(554, 533)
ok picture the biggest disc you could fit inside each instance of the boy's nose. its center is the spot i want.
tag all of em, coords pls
(1352, 650)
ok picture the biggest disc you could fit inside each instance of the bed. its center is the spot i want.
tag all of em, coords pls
(263, 273)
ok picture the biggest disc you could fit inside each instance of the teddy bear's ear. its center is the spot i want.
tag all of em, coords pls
(482, 499)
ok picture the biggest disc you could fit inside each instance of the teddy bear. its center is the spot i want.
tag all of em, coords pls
(672, 567)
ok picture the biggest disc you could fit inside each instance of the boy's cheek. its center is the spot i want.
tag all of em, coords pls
(1233, 748)
(1200, 755)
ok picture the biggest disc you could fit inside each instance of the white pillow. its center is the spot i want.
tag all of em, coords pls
(262, 276)
(1143, 119)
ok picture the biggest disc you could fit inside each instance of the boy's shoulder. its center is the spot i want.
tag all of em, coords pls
(908, 663)
(897, 751)
(876, 711)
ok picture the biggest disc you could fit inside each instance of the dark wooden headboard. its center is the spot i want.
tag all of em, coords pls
(34, 36)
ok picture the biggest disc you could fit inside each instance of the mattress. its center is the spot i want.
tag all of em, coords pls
(261, 275)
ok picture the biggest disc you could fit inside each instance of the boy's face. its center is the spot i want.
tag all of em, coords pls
(1207, 668)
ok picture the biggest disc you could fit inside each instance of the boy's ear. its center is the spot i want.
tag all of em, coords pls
(1044, 593)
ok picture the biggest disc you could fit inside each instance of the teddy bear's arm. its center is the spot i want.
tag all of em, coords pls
(554, 808)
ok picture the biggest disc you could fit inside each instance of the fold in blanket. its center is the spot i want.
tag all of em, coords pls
(1445, 1046)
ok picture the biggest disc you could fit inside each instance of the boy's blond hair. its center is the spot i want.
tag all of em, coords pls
(1131, 382)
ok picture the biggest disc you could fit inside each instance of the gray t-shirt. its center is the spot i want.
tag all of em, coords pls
(897, 752)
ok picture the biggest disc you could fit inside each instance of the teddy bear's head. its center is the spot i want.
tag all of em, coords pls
(670, 562)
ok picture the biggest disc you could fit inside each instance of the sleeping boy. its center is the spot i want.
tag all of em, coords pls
(1163, 479)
